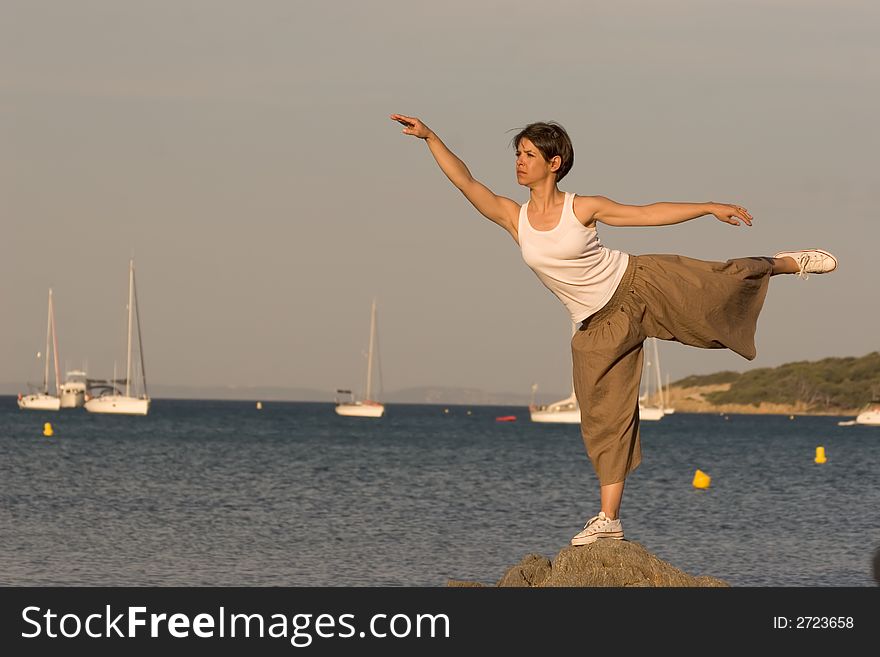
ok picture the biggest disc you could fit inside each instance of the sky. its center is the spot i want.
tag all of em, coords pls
(243, 155)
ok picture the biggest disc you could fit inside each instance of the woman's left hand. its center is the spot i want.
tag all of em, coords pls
(732, 214)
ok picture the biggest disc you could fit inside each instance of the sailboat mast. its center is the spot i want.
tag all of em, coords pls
(137, 316)
(572, 397)
(54, 345)
(370, 351)
(128, 353)
(46, 353)
(660, 401)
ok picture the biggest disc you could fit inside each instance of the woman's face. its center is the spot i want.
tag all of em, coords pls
(530, 163)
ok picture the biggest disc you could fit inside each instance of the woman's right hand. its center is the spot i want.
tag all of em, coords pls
(412, 126)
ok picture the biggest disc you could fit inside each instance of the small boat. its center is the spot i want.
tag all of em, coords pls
(42, 400)
(74, 388)
(869, 416)
(506, 418)
(367, 407)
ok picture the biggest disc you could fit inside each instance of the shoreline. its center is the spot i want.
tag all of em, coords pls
(686, 403)
(741, 411)
(692, 400)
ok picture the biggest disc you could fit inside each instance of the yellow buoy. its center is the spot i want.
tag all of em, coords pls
(701, 479)
(820, 455)
(259, 406)
(47, 429)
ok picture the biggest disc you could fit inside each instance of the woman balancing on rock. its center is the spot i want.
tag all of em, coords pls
(618, 299)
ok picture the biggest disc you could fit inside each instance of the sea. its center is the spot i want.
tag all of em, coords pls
(222, 493)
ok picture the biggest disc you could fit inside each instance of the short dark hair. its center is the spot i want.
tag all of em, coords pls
(551, 139)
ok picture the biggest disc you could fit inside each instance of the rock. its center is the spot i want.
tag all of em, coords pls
(531, 571)
(603, 563)
(617, 563)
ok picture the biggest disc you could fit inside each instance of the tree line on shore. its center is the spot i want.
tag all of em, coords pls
(827, 385)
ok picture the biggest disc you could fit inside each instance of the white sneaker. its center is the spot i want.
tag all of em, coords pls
(811, 261)
(598, 527)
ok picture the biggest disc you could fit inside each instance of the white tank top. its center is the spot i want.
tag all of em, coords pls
(571, 262)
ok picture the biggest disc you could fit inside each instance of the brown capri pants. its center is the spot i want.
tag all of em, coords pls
(713, 305)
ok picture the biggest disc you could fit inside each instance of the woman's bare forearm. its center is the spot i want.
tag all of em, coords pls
(667, 213)
(451, 165)
(501, 210)
(663, 213)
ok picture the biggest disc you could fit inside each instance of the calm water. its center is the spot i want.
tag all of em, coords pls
(219, 493)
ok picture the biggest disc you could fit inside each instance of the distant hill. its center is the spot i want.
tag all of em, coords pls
(831, 385)
(418, 395)
(447, 395)
(245, 393)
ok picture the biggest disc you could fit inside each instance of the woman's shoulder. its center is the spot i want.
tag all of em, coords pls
(585, 207)
(588, 198)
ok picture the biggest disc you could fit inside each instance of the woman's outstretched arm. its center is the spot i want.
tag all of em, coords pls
(500, 209)
(599, 208)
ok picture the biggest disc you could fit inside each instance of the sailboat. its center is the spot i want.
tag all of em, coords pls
(652, 367)
(564, 411)
(368, 407)
(123, 402)
(43, 401)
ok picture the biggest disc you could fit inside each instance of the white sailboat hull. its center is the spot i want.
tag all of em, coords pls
(564, 411)
(39, 402)
(867, 418)
(551, 416)
(573, 416)
(650, 413)
(871, 418)
(118, 405)
(360, 409)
